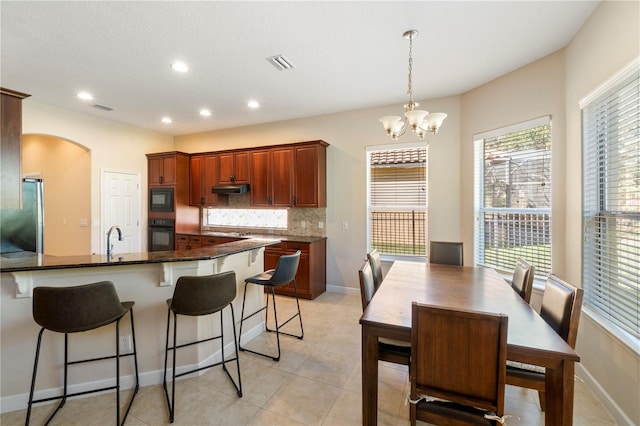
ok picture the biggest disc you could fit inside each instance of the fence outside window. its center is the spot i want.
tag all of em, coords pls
(399, 232)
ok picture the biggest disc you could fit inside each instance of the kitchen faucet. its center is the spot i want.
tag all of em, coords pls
(120, 238)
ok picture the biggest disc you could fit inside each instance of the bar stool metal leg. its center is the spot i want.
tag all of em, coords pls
(197, 296)
(78, 309)
(275, 315)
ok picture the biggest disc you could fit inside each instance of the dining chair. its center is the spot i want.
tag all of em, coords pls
(77, 309)
(561, 307)
(197, 296)
(395, 351)
(522, 281)
(376, 267)
(283, 274)
(445, 253)
(458, 366)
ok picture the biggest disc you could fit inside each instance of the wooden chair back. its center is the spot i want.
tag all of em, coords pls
(561, 307)
(367, 286)
(445, 253)
(376, 267)
(458, 356)
(522, 281)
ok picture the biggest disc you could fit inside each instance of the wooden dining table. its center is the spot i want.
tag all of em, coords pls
(530, 339)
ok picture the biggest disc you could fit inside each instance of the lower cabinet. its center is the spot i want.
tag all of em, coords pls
(311, 278)
(189, 242)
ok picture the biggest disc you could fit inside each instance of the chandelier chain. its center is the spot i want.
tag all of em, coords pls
(410, 89)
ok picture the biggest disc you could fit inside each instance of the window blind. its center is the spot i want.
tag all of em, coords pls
(513, 196)
(397, 200)
(611, 201)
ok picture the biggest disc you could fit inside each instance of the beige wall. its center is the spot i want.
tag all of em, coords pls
(608, 41)
(550, 86)
(112, 145)
(348, 134)
(67, 191)
(553, 86)
(530, 92)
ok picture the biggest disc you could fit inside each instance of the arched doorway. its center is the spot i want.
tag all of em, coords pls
(65, 168)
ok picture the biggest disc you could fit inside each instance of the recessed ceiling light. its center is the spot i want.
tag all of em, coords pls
(167, 120)
(179, 67)
(253, 104)
(85, 96)
(205, 112)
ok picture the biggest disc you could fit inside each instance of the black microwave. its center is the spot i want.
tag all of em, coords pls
(161, 199)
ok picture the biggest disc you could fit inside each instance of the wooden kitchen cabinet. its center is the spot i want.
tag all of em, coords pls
(191, 241)
(272, 177)
(208, 241)
(11, 148)
(204, 175)
(188, 242)
(233, 167)
(311, 276)
(167, 168)
(310, 181)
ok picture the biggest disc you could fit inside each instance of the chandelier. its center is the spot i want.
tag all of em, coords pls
(419, 120)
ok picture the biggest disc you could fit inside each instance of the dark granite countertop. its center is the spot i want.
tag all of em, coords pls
(291, 238)
(44, 262)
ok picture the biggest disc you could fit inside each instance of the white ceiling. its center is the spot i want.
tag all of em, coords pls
(348, 55)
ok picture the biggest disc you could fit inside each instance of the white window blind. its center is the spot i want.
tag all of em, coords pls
(611, 201)
(513, 196)
(397, 200)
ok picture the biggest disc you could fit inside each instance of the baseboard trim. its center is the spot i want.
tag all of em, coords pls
(614, 409)
(343, 290)
(148, 378)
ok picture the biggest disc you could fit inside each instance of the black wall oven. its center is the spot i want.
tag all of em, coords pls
(161, 200)
(161, 234)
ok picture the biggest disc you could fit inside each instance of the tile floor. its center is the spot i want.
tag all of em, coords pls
(316, 382)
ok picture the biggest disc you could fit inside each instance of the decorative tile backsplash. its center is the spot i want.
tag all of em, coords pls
(248, 218)
(239, 216)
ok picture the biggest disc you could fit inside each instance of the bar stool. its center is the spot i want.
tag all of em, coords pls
(73, 310)
(284, 273)
(197, 296)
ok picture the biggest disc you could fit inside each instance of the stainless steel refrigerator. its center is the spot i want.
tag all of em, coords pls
(21, 230)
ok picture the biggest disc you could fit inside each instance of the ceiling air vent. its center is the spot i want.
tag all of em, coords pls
(281, 63)
(102, 107)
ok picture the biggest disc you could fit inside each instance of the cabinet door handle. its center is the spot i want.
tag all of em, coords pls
(270, 201)
(201, 200)
(160, 179)
(295, 200)
(233, 179)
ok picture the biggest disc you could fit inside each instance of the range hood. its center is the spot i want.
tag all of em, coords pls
(230, 189)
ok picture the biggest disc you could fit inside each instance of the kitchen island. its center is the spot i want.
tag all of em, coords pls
(145, 278)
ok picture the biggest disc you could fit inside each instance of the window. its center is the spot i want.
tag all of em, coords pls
(513, 196)
(397, 200)
(611, 200)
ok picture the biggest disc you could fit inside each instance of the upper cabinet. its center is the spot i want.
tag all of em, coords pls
(162, 168)
(204, 175)
(292, 175)
(310, 181)
(272, 172)
(233, 167)
(10, 148)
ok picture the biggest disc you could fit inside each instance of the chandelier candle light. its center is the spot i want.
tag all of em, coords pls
(419, 120)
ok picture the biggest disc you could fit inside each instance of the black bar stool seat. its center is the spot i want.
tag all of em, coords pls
(74, 310)
(197, 296)
(284, 273)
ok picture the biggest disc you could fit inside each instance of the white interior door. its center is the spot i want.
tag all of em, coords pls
(121, 207)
